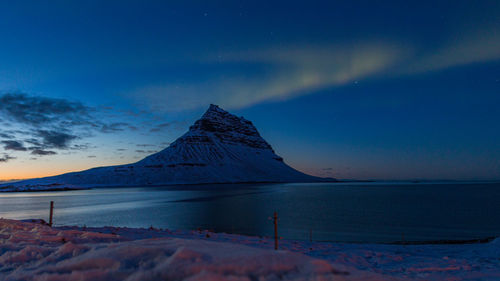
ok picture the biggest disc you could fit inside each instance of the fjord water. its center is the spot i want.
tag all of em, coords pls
(351, 212)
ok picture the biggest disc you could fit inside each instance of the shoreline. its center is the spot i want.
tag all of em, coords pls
(110, 229)
(10, 187)
(33, 188)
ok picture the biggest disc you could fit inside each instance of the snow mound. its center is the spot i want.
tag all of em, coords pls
(403, 262)
(31, 251)
(34, 251)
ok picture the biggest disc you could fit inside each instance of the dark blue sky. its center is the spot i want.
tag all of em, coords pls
(350, 89)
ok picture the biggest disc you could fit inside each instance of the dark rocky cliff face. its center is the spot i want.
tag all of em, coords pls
(226, 127)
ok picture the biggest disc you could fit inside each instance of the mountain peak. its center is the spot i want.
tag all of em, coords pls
(215, 112)
(227, 128)
(215, 108)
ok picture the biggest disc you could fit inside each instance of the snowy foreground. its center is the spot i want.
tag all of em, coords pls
(33, 251)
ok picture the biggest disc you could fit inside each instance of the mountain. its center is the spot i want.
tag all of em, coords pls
(218, 148)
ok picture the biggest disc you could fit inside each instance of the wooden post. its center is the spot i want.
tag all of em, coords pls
(51, 212)
(275, 220)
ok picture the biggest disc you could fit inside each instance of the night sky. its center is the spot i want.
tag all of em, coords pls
(347, 89)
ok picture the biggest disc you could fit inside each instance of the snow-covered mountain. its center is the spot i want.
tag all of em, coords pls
(219, 148)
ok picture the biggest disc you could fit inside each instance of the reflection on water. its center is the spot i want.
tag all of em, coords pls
(336, 212)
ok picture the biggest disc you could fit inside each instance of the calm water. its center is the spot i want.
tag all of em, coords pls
(375, 212)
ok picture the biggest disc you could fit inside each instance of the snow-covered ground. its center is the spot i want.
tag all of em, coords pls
(33, 251)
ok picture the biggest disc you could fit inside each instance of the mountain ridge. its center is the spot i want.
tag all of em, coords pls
(218, 148)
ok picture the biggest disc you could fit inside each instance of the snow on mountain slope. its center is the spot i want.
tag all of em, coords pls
(218, 148)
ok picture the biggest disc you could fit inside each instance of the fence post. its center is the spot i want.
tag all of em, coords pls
(275, 220)
(51, 212)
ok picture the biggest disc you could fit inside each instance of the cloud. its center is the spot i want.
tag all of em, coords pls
(160, 127)
(116, 127)
(13, 145)
(41, 152)
(6, 158)
(49, 124)
(146, 151)
(145, 145)
(33, 141)
(54, 139)
(36, 110)
(47, 140)
(84, 146)
(6, 136)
